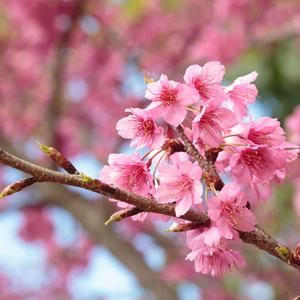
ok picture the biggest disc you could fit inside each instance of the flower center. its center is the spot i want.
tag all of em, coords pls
(207, 123)
(201, 84)
(131, 178)
(255, 160)
(179, 186)
(143, 128)
(259, 137)
(168, 97)
(232, 214)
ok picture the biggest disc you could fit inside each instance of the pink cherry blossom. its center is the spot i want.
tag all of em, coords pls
(229, 212)
(36, 46)
(259, 162)
(208, 124)
(241, 93)
(216, 259)
(222, 162)
(210, 237)
(206, 81)
(128, 172)
(266, 131)
(180, 183)
(169, 99)
(142, 129)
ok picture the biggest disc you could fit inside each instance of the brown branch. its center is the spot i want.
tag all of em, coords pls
(262, 240)
(258, 237)
(146, 204)
(192, 151)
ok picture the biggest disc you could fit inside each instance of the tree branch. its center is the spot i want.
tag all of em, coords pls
(146, 204)
(258, 237)
(203, 163)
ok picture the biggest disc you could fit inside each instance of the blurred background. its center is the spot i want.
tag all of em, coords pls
(68, 70)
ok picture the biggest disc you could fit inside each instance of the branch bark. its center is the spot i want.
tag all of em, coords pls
(258, 237)
(192, 151)
(146, 204)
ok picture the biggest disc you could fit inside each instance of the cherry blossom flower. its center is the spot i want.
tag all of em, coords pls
(290, 150)
(210, 237)
(229, 212)
(169, 99)
(206, 81)
(180, 183)
(260, 162)
(215, 259)
(141, 128)
(208, 124)
(241, 93)
(128, 172)
(222, 162)
(266, 131)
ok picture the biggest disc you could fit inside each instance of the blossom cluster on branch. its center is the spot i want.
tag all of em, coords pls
(72, 61)
(212, 118)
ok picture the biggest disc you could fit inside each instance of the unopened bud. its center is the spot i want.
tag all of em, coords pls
(122, 214)
(17, 186)
(284, 253)
(58, 158)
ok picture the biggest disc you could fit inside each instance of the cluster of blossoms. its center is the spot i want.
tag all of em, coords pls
(211, 116)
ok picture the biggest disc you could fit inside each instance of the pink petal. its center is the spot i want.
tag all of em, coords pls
(183, 205)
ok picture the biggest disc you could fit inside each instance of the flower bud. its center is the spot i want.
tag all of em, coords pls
(17, 186)
(122, 214)
(285, 253)
(58, 158)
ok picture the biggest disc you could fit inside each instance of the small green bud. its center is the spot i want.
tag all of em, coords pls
(284, 253)
(85, 178)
